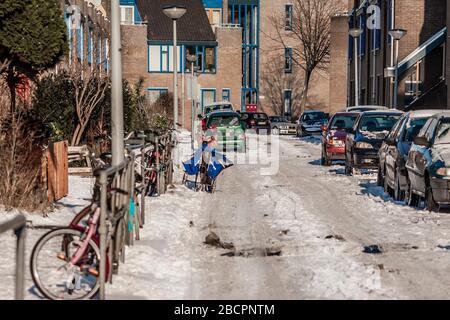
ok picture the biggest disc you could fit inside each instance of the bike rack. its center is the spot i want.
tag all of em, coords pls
(18, 224)
(118, 177)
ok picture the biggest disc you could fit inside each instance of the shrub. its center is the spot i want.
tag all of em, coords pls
(23, 138)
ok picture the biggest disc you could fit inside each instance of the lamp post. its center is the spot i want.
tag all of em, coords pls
(175, 12)
(356, 33)
(192, 59)
(397, 35)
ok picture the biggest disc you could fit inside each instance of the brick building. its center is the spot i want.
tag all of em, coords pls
(251, 67)
(421, 53)
(338, 69)
(148, 53)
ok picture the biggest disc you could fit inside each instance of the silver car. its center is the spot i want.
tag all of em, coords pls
(281, 125)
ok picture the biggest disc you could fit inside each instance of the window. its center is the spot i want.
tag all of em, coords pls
(153, 94)
(208, 97)
(80, 43)
(289, 9)
(90, 46)
(206, 58)
(127, 14)
(160, 58)
(288, 60)
(226, 95)
(99, 49)
(68, 20)
(107, 54)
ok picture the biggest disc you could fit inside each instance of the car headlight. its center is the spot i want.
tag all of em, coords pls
(443, 172)
(363, 145)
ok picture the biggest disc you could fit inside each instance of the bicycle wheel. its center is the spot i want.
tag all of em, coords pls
(52, 273)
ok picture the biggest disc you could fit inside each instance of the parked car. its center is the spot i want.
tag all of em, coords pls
(394, 151)
(365, 108)
(428, 164)
(282, 125)
(310, 122)
(334, 135)
(365, 138)
(258, 121)
(230, 130)
(217, 106)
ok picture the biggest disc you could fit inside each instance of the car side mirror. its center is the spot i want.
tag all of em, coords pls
(422, 141)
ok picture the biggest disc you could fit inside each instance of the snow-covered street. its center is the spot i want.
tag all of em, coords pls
(299, 234)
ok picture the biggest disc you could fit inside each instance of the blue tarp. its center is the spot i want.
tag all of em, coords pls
(215, 166)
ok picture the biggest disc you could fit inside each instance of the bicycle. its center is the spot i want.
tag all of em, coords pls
(65, 262)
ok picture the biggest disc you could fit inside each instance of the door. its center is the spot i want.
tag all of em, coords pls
(392, 152)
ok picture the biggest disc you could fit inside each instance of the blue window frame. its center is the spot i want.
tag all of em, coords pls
(80, 42)
(289, 11)
(99, 49)
(106, 57)
(362, 38)
(160, 58)
(68, 21)
(90, 47)
(288, 60)
(226, 95)
(351, 21)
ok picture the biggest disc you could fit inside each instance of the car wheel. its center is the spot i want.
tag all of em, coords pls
(275, 131)
(429, 200)
(399, 194)
(411, 198)
(348, 167)
(322, 158)
(387, 189)
(380, 178)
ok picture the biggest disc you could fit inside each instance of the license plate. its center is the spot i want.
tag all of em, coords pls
(261, 123)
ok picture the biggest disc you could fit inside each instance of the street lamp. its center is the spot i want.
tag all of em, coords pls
(192, 59)
(356, 33)
(175, 12)
(397, 35)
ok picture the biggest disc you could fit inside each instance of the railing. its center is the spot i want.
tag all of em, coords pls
(18, 224)
(115, 209)
(114, 217)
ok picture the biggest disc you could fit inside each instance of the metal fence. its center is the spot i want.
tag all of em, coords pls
(118, 187)
(18, 225)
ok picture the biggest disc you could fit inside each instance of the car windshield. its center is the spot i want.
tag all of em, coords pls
(378, 123)
(260, 116)
(223, 121)
(413, 128)
(443, 132)
(343, 122)
(279, 119)
(314, 116)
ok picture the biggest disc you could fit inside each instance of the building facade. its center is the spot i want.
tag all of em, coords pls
(88, 34)
(421, 52)
(249, 67)
(147, 39)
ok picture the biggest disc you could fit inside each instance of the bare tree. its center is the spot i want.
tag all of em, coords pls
(89, 87)
(310, 32)
(275, 81)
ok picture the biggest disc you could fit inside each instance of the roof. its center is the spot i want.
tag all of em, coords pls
(193, 27)
(382, 112)
(222, 103)
(222, 112)
(443, 113)
(345, 113)
(424, 113)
